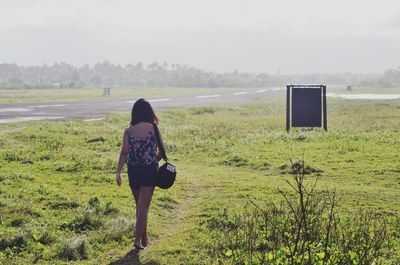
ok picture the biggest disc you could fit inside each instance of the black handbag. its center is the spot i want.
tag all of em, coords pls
(166, 173)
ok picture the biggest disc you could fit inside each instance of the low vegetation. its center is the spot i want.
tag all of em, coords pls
(63, 207)
(306, 227)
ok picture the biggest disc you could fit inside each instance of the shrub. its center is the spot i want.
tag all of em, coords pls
(11, 156)
(93, 205)
(71, 167)
(18, 222)
(16, 242)
(95, 140)
(92, 217)
(235, 160)
(64, 205)
(109, 209)
(84, 222)
(304, 228)
(202, 110)
(118, 228)
(42, 190)
(74, 249)
(296, 167)
(45, 237)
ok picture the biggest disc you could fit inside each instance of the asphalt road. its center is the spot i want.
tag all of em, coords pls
(98, 108)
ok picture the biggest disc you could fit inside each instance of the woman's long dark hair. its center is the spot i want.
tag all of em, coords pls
(143, 112)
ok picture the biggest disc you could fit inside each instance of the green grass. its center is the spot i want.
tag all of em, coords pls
(64, 207)
(45, 95)
(372, 90)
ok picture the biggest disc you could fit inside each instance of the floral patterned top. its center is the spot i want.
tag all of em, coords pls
(142, 150)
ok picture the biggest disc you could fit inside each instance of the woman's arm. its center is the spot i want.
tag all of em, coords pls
(122, 157)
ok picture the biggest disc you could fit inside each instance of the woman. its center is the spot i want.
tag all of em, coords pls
(139, 151)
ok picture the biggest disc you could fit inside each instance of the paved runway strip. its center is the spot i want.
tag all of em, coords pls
(47, 106)
(208, 96)
(97, 108)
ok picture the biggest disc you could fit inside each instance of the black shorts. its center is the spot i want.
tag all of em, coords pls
(143, 175)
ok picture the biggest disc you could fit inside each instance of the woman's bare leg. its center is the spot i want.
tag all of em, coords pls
(136, 194)
(146, 193)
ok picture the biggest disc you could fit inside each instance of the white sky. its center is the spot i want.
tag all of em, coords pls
(298, 36)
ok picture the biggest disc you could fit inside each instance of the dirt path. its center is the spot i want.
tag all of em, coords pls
(177, 220)
(181, 212)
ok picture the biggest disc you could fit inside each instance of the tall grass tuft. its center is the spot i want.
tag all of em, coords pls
(74, 249)
(118, 228)
(15, 242)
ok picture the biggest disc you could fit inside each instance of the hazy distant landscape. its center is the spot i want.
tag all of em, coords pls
(106, 74)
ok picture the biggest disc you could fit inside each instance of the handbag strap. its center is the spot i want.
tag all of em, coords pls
(160, 146)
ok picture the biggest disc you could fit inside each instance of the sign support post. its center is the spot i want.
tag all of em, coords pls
(324, 108)
(288, 108)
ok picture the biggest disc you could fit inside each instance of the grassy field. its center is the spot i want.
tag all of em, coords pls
(59, 203)
(45, 95)
(383, 90)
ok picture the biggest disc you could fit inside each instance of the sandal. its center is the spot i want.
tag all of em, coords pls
(138, 247)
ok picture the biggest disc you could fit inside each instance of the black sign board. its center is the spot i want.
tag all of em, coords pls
(307, 104)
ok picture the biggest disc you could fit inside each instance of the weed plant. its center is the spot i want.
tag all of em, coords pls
(305, 227)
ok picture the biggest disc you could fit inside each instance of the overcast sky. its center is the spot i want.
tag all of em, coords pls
(295, 36)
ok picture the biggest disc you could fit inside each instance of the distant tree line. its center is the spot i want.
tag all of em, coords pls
(106, 74)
